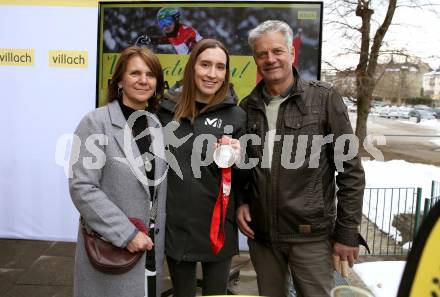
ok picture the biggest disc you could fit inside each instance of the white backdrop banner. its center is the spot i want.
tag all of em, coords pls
(48, 83)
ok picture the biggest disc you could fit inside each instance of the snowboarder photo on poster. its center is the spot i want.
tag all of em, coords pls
(182, 37)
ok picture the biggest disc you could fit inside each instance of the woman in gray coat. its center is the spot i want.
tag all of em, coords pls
(119, 173)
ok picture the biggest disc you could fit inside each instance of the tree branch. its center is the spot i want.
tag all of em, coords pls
(379, 36)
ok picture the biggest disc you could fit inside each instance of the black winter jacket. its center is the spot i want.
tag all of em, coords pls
(299, 203)
(192, 195)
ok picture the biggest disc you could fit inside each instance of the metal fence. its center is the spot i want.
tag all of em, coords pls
(391, 217)
(433, 199)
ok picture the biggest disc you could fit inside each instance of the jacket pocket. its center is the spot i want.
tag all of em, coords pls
(306, 124)
(298, 138)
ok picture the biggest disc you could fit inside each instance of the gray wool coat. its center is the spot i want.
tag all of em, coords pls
(108, 185)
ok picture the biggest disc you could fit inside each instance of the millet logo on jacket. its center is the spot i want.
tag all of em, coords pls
(217, 123)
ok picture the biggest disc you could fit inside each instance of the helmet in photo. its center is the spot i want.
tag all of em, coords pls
(167, 12)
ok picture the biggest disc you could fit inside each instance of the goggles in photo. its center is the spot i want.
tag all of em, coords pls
(165, 22)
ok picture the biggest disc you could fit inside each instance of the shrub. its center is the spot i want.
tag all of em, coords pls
(425, 100)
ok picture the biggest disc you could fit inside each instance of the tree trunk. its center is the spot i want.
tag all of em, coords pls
(363, 81)
(363, 107)
(366, 69)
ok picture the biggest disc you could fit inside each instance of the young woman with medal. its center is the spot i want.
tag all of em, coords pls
(203, 195)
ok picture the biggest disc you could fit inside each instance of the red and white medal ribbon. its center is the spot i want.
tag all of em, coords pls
(217, 230)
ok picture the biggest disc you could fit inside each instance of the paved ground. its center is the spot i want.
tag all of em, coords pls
(30, 268)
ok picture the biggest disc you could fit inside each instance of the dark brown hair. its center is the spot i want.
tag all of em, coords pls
(186, 106)
(152, 62)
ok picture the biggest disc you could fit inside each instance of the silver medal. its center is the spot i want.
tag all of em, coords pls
(224, 156)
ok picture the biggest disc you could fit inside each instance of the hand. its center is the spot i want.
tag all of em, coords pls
(235, 144)
(243, 218)
(344, 256)
(141, 242)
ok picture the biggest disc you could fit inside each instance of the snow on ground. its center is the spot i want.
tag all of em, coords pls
(382, 278)
(407, 246)
(380, 204)
(399, 173)
(435, 141)
(432, 124)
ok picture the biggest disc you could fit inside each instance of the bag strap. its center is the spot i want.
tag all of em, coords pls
(85, 228)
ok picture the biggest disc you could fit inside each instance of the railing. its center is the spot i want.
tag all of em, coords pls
(435, 193)
(391, 217)
(435, 197)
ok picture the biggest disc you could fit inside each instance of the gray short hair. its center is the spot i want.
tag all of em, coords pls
(271, 26)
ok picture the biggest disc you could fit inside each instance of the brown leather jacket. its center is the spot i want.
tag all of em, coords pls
(296, 201)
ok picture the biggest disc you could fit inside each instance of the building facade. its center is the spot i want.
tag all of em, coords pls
(395, 80)
(431, 84)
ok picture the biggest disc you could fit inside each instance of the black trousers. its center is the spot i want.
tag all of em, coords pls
(183, 277)
(151, 285)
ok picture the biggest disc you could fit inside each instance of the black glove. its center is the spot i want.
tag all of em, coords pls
(143, 41)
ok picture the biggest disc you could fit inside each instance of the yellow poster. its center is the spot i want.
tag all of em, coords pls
(243, 72)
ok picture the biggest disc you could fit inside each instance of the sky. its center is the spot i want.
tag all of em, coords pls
(415, 30)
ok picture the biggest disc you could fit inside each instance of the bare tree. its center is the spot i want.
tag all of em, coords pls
(366, 67)
(369, 43)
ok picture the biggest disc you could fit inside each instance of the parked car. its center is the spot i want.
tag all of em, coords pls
(404, 112)
(421, 114)
(389, 113)
(352, 108)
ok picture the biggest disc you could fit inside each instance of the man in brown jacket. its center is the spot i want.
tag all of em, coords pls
(291, 216)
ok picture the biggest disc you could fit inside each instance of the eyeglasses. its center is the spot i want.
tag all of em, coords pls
(165, 22)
